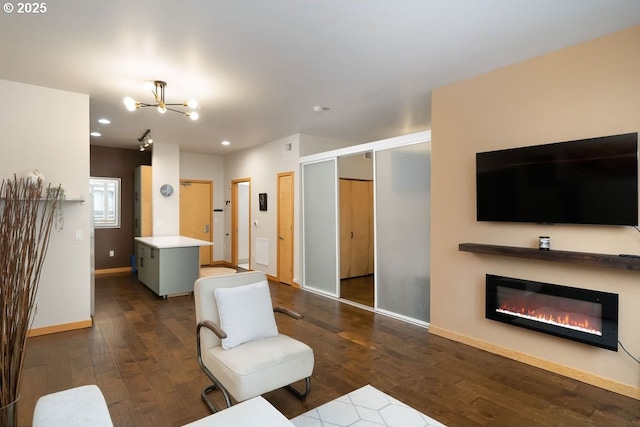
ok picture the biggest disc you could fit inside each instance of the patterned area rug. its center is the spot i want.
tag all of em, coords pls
(365, 407)
(216, 271)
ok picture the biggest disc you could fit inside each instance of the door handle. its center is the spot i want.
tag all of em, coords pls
(352, 234)
(206, 228)
(281, 237)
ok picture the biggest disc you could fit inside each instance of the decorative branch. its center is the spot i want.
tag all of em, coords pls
(26, 218)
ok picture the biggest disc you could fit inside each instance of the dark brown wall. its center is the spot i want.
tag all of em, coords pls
(117, 163)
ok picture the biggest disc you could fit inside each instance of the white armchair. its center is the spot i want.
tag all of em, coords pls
(239, 347)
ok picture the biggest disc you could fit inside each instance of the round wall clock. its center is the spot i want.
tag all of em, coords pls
(166, 190)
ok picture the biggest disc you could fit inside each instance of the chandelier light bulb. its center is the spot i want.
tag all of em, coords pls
(162, 109)
(193, 115)
(192, 103)
(130, 103)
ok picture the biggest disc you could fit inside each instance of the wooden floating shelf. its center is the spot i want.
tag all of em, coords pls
(568, 257)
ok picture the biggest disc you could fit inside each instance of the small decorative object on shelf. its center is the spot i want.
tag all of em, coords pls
(544, 243)
(57, 192)
(33, 176)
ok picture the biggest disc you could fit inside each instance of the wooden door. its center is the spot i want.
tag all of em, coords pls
(356, 228)
(196, 210)
(361, 225)
(285, 228)
(345, 228)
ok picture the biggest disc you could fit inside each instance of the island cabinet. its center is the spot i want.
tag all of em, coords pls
(169, 265)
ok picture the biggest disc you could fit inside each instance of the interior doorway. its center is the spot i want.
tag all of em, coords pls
(240, 223)
(356, 228)
(196, 210)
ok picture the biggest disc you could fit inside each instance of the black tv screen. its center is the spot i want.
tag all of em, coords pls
(589, 181)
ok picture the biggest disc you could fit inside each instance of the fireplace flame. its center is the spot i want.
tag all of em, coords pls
(575, 321)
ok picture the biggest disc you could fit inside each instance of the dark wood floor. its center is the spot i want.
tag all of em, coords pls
(358, 289)
(141, 353)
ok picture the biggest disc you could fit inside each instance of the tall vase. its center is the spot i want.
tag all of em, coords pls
(9, 414)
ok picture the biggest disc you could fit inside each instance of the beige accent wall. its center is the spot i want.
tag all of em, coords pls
(588, 90)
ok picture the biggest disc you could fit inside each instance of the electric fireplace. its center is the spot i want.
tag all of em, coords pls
(582, 315)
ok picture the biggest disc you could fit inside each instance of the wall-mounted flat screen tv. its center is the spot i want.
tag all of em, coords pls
(589, 181)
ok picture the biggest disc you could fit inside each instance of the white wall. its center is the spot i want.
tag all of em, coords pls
(208, 168)
(356, 166)
(166, 170)
(44, 129)
(312, 144)
(262, 164)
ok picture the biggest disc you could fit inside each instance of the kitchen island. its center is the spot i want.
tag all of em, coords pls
(168, 265)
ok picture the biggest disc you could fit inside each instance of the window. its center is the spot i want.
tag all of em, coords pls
(106, 202)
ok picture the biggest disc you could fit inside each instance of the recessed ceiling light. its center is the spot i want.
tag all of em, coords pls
(226, 143)
(320, 109)
(95, 134)
(104, 121)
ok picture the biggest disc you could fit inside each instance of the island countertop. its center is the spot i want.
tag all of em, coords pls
(164, 242)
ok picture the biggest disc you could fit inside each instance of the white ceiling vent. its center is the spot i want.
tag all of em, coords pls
(288, 147)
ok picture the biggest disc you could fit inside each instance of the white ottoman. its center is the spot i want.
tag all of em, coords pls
(76, 407)
(250, 413)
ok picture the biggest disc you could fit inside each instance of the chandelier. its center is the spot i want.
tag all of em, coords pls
(145, 140)
(157, 89)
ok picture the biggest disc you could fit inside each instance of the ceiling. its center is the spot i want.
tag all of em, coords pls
(258, 67)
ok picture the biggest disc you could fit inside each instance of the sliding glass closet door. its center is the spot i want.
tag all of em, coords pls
(403, 202)
(320, 225)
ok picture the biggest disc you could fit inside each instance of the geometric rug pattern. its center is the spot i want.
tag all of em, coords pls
(365, 407)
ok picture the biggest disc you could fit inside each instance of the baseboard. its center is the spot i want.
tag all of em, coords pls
(113, 270)
(221, 264)
(272, 278)
(60, 328)
(567, 371)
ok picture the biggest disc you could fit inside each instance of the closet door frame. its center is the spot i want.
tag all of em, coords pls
(405, 140)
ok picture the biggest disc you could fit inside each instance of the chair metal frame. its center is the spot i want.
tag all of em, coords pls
(208, 324)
